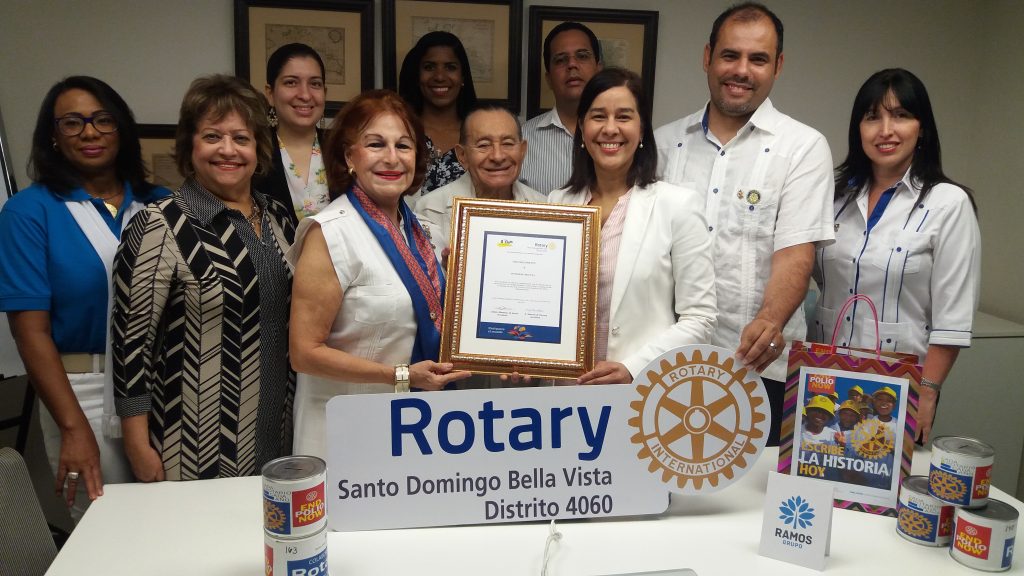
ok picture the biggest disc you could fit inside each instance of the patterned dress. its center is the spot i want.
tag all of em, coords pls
(310, 193)
(441, 168)
(200, 333)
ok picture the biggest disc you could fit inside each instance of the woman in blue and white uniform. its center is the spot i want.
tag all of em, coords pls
(906, 236)
(57, 243)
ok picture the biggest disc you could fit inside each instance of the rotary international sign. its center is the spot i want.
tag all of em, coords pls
(691, 423)
(701, 421)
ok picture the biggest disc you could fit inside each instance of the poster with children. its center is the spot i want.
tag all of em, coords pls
(847, 432)
(850, 419)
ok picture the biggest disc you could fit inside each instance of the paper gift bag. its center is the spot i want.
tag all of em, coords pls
(865, 457)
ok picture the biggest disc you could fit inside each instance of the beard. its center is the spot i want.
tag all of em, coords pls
(729, 109)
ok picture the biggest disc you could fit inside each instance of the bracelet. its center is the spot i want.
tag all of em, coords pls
(926, 383)
(401, 377)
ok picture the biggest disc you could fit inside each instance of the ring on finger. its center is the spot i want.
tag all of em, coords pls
(772, 345)
(72, 476)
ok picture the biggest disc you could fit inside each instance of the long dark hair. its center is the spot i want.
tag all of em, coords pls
(644, 169)
(409, 77)
(926, 165)
(283, 54)
(49, 167)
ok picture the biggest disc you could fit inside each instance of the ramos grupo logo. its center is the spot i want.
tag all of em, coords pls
(701, 421)
(797, 512)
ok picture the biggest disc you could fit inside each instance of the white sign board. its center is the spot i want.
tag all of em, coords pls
(797, 525)
(485, 456)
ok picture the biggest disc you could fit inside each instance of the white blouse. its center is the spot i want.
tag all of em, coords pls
(920, 264)
(376, 320)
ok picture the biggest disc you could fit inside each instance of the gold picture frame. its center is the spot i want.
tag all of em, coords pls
(157, 142)
(522, 288)
(490, 30)
(341, 31)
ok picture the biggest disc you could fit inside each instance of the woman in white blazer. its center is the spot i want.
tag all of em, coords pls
(656, 285)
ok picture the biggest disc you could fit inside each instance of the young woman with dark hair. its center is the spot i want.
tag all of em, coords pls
(906, 236)
(656, 285)
(296, 90)
(436, 81)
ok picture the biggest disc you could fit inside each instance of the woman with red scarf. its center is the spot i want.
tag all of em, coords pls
(368, 291)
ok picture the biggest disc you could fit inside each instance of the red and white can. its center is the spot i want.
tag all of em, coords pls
(294, 496)
(961, 471)
(983, 537)
(921, 518)
(295, 557)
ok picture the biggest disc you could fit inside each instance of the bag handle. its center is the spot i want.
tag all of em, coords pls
(874, 313)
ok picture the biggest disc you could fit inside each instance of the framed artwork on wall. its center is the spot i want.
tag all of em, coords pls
(157, 142)
(341, 31)
(490, 30)
(628, 38)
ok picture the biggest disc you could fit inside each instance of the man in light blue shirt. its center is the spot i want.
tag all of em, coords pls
(572, 55)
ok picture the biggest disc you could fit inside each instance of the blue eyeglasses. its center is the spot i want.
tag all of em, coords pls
(73, 125)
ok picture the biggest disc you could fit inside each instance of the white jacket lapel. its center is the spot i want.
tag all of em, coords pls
(641, 205)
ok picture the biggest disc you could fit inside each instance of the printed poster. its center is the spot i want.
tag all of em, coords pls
(848, 431)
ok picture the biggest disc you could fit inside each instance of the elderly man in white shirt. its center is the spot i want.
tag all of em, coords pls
(767, 181)
(572, 55)
(491, 148)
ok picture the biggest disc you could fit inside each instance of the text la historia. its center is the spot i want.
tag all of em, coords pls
(412, 416)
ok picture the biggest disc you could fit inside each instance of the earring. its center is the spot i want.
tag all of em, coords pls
(641, 144)
(583, 146)
(351, 171)
(272, 117)
(55, 144)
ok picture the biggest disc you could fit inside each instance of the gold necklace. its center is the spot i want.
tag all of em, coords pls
(110, 206)
(256, 215)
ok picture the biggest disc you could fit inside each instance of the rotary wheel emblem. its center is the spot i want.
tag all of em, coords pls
(699, 419)
(946, 486)
(872, 439)
(273, 516)
(914, 523)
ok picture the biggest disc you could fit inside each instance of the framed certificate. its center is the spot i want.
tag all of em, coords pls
(522, 288)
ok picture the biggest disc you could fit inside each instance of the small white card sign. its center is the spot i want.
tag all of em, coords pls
(485, 456)
(797, 525)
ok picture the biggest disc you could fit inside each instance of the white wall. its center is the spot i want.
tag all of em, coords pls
(964, 51)
(996, 157)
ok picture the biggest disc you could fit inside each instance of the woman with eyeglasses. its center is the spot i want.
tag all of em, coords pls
(57, 243)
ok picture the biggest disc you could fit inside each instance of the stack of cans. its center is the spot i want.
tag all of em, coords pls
(295, 516)
(951, 507)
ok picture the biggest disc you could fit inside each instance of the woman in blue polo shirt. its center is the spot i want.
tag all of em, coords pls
(58, 238)
(906, 236)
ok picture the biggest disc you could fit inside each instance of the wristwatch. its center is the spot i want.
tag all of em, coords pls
(401, 377)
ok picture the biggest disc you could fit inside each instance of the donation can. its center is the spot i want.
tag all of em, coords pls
(921, 518)
(961, 471)
(294, 496)
(983, 537)
(295, 556)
